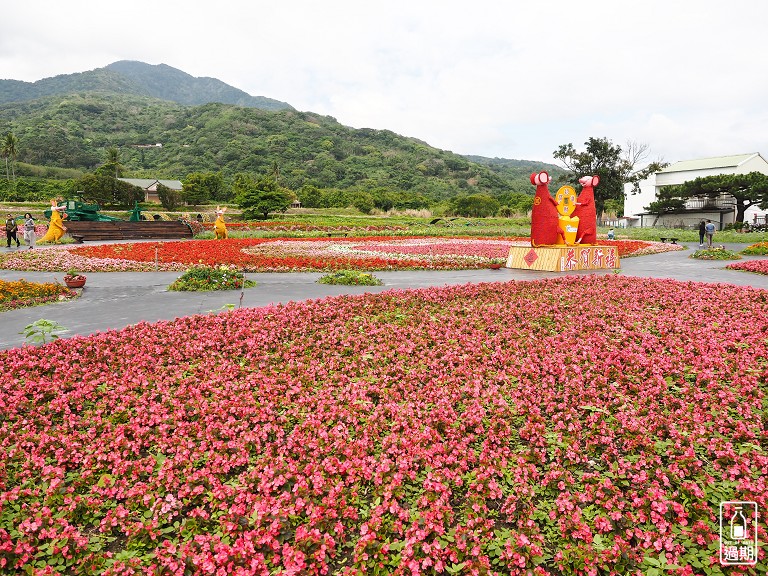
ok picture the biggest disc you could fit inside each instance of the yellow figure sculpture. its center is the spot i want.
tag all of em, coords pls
(56, 226)
(566, 204)
(219, 227)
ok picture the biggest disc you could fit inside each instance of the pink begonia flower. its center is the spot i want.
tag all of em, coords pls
(572, 424)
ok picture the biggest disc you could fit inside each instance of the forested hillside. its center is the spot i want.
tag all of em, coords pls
(151, 115)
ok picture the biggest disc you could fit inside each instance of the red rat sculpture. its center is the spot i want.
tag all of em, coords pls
(585, 210)
(545, 229)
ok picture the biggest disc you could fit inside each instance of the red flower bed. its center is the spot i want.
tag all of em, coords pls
(283, 254)
(580, 425)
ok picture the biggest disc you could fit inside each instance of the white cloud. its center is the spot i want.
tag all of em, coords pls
(496, 79)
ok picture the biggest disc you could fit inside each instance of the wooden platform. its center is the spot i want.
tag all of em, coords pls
(124, 230)
(563, 258)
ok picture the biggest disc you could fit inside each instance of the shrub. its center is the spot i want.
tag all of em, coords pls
(715, 254)
(205, 278)
(350, 278)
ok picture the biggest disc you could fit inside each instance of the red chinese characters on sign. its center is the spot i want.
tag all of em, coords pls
(570, 262)
(584, 258)
(610, 260)
(597, 258)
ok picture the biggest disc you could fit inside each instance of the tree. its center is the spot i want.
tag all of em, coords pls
(746, 189)
(668, 201)
(260, 197)
(10, 150)
(517, 202)
(169, 198)
(474, 205)
(614, 167)
(311, 196)
(112, 167)
(109, 191)
(202, 187)
(96, 188)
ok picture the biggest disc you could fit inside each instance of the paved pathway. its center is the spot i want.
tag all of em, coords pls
(117, 299)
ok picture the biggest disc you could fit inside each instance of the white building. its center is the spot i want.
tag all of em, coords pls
(721, 211)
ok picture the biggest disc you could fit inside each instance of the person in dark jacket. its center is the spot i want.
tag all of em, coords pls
(11, 231)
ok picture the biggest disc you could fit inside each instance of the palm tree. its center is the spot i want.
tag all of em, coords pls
(113, 161)
(10, 150)
(5, 156)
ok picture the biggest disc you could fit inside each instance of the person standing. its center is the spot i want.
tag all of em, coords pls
(11, 231)
(702, 226)
(29, 230)
(709, 230)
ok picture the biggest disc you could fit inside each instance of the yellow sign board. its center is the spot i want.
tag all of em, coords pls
(563, 258)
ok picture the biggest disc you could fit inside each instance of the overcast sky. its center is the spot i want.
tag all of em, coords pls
(494, 78)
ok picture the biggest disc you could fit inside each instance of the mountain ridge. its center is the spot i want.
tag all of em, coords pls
(139, 78)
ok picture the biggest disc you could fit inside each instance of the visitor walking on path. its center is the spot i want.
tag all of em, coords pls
(702, 227)
(709, 229)
(11, 229)
(29, 230)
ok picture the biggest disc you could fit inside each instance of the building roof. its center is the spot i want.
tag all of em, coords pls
(148, 182)
(709, 163)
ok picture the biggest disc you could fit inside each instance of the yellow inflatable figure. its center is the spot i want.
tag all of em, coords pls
(566, 204)
(56, 227)
(219, 227)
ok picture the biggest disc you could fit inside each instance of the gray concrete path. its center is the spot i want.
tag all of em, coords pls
(117, 299)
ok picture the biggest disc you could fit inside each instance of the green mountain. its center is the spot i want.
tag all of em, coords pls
(152, 115)
(139, 79)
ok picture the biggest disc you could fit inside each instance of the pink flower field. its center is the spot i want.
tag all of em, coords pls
(579, 425)
(756, 266)
(291, 254)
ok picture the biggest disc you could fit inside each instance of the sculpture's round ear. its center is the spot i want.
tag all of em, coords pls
(540, 178)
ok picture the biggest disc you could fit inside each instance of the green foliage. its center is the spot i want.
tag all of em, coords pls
(614, 166)
(42, 331)
(107, 190)
(747, 190)
(207, 278)
(715, 254)
(517, 202)
(474, 205)
(169, 198)
(204, 187)
(35, 189)
(259, 197)
(112, 167)
(9, 151)
(667, 202)
(350, 278)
